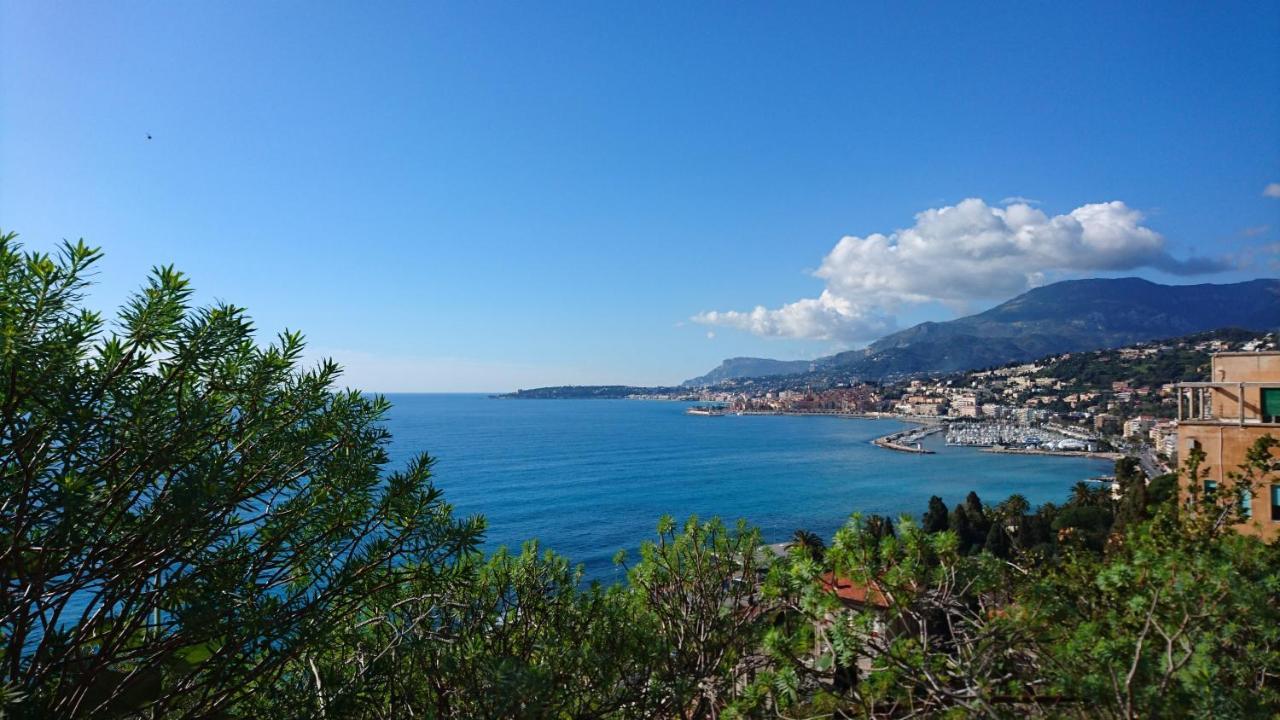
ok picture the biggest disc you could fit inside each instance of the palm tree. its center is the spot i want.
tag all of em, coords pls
(1081, 494)
(1015, 506)
(880, 527)
(812, 545)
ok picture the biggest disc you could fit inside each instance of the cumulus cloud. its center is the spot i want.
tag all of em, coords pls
(1272, 190)
(956, 254)
(827, 317)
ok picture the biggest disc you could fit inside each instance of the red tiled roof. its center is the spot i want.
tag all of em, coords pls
(853, 592)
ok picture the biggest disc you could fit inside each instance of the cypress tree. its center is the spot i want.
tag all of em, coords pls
(973, 504)
(997, 541)
(935, 518)
(963, 528)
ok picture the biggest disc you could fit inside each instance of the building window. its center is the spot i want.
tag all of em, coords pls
(1275, 502)
(1270, 405)
(1210, 487)
(1246, 503)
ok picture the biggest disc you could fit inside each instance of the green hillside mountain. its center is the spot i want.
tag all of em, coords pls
(1067, 316)
(741, 367)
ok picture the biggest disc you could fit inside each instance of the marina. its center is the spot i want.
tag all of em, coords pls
(1014, 435)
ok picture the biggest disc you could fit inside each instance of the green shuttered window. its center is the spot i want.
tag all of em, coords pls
(1271, 404)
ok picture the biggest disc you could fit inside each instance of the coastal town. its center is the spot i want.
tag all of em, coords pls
(884, 361)
(1103, 403)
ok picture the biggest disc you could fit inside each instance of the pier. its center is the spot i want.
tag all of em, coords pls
(908, 440)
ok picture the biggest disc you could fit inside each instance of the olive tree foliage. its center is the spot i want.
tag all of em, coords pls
(186, 516)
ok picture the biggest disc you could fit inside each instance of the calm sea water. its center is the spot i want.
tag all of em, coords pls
(590, 477)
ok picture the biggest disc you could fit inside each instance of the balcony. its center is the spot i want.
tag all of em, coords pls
(1220, 403)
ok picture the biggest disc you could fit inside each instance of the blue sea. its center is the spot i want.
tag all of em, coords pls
(590, 477)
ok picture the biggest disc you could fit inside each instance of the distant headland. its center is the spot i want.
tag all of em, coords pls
(600, 392)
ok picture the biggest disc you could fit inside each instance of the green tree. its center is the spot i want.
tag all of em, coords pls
(1039, 528)
(1085, 526)
(999, 540)
(697, 585)
(1161, 490)
(517, 639)
(973, 504)
(1012, 508)
(1132, 483)
(810, 543)
(880, 527)
(927, 639)
(187, 515)
(970, 524)
(1180, 618)
(1084, 495)
(935, 518)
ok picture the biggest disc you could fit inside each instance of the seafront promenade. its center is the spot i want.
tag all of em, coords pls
(1058, 453)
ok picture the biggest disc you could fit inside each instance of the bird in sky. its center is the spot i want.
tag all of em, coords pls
(148, 136)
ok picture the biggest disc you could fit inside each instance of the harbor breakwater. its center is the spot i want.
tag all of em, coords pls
(909, 441)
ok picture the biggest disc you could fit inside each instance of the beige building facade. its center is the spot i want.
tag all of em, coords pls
(1224, 417)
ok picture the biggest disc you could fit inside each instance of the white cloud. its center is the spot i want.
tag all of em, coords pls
(1272, 190)
(711, 334)
(1018, 200)
(956, 254)
(827, 317)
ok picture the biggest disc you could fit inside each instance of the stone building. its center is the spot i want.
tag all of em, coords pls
(1224, 416)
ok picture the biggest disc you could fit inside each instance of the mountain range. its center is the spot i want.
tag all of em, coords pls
(1067, 316)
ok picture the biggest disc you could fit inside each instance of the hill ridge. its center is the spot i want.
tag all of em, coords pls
(1066, 316)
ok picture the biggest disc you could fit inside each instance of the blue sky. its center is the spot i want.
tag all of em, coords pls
(483, 196)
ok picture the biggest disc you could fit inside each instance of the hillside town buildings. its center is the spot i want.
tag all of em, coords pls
(1035, 406)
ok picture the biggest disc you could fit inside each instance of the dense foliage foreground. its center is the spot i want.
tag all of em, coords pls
(194, 526)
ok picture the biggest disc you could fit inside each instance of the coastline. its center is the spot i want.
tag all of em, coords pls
(1058, 453)
(919, 422)
(779, 474)
(917, 429)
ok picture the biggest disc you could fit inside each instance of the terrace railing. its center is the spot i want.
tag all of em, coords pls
(1229, 403)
